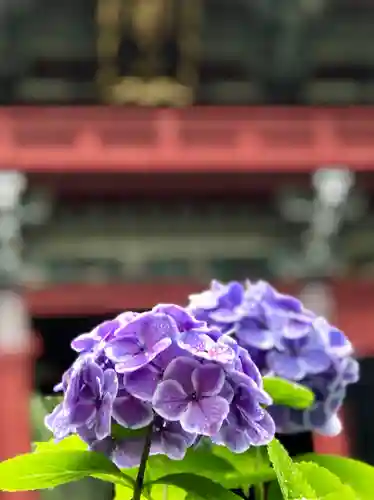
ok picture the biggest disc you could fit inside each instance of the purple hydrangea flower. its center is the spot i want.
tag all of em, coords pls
(167, 369)
(221, 304)
(287, 340)
(88, 401)
(138, 342)
(190, 393)
(168, 439)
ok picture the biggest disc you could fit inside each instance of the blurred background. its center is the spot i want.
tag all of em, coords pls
(148, 146)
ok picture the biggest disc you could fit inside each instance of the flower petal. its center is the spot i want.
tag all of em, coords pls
(183, 318)
(104, 418)
(58, 422)
(180, 370)
(143, 382)
(261, 432)
(256, 337)
(110, 383)
(122, 348)
(234, 439)
(332, 427)
(284, 365)
(205, 416)
(171, 445)
(151, 327)
(131, 412)
(85, 342)
(170, 400)
(127, 454)
(315, 361)
(82, 412)
(208, 380)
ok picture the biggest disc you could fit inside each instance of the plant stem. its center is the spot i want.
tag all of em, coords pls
(259, 491)
(138, 488)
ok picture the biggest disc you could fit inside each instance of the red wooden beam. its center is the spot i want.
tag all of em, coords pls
(115, 139)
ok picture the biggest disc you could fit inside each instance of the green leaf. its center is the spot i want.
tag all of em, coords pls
(195, 461)
(165, 492)
(284, 392)
(35, 471)
(323, 481)
(119, 432)
(200, 486)
(358, 475)
(69, 443)
(346, 493)
(250, 468)
(292, 483)
(125, 493)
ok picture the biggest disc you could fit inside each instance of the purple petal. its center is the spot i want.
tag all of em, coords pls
(226, 315)
(170, 400)
(58, 422)
(184, 320)
(143, 382)
(195, 341)
(201, 345)
(107, 329)
(152, 327)
(350, 371)
(84, 342)
(237, 379)
(234, 439)
(104, 417)
(261, 432)
(332, 427)
(93, 376)
(176, 428)
(315, 362)
(82, 412)
(256, 337)
(132, 363)
(296, 330)
(131, 412)
(208, 380)
(169, 444)
(286, 366)
(316, 417)
(105, 446)
(249, 367)
(205, 416)
(110, 383)
(339, 342)
(121, 349)
(127, 454)
(164, 358)
(180, 370)
(234, 295)
(126, 317)
(247, 404)
(227, 392)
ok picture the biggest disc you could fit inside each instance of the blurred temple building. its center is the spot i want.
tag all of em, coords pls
(164, 143)
(175, 52)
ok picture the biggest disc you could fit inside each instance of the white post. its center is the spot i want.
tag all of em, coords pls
(14, 324)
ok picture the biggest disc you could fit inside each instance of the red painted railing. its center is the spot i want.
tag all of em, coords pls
(114, 139)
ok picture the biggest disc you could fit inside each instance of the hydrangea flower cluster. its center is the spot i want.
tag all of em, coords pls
(166, 369)
(284, 339)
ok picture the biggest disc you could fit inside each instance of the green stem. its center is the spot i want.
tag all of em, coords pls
(139, 482)
(259, 491)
